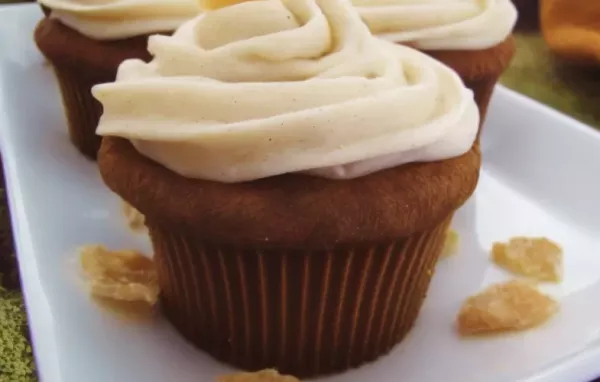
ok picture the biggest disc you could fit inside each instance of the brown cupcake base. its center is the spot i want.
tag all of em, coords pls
(304, 274)
(82, 110)
(480, 70)
(304, 313)
(80, 63)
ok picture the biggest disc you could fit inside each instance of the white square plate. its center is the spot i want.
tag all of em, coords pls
(541, 176)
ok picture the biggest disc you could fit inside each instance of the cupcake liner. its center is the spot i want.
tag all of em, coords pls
(304, 313)
(83, 111)
(81, 63)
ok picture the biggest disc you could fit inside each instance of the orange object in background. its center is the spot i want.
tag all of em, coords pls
(571, 29)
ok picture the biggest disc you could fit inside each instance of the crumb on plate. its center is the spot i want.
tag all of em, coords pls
(538, 258)
(119, 275)
(261, 376)
(451, 243)
(135, 219)
(511, 306)
(135, 312)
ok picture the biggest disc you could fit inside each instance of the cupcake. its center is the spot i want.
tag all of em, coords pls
(86, 41)
(297, 176)
(473, 37)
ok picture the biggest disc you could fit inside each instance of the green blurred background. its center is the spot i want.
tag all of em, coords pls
(534, 72)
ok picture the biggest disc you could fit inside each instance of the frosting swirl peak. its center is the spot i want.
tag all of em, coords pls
(286, 86)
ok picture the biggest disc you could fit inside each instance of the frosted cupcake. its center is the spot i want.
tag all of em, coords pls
(85, 41)
(473, 37)
(297, 176)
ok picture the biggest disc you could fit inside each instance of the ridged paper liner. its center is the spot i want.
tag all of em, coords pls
(303, 313)
(83, 111)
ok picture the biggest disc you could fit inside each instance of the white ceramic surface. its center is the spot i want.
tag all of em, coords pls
(540, 178)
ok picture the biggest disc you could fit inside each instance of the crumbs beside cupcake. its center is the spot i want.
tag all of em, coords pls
(516, 304)
(129, 276)
(135, 220)
(125, 283)
(268, 375)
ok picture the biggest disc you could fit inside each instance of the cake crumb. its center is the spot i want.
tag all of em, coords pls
(261, 376)
(135, 312)
(135, 219)
(124, 275)
(451, 243)
(511, 306)
(537, 258)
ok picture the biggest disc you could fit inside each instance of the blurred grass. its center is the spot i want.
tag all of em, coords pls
(536, 73)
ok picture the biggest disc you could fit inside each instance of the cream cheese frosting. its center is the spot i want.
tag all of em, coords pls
(440, 24)
(286, 86)
(120, 19)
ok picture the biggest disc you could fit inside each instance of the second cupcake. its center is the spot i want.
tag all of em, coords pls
(473, 37)
(85, 41)
(297, 176)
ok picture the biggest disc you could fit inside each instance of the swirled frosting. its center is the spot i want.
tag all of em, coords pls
(286, 86)
(440, 24)
(119, 19)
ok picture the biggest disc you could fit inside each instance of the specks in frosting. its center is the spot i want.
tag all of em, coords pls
(338, 102)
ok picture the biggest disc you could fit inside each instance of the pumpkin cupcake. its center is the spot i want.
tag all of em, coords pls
(473, 37)
(85, 41)
(297, 176)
